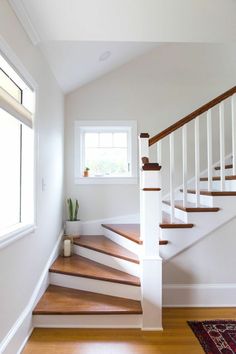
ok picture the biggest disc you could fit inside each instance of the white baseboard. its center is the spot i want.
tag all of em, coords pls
(18, 335)
(199, 295)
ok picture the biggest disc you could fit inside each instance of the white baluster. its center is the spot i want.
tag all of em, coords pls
(233, 108)
(159, 153)
(197, 161)
(209, 150)
(172, 167)
(222, 146)
(185, 165)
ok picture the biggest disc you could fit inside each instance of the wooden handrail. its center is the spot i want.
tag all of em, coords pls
(191, 116)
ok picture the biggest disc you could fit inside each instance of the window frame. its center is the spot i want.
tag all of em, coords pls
(80, 127)
(22, 229)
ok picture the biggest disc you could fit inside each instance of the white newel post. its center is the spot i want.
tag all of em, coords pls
(143, 152)
(150, 218)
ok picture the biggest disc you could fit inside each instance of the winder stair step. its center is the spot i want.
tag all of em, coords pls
(104, 245)
(64, 301)
(129, 231)
(83, 267)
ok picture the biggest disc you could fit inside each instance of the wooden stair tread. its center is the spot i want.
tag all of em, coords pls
(64, 301)
(217, 178)
(84, 267)
(191, 207)
(105, 245)
(226, 166)
(129, 231)
(167, 224)
(212, 193)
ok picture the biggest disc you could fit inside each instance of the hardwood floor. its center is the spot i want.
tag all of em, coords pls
(177, 338)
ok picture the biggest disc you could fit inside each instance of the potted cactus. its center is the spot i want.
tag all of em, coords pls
(73, 224)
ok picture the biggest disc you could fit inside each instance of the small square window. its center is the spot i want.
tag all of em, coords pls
(108, 150)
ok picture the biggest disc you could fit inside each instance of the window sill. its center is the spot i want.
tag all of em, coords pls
(14, 233)
(106, 180)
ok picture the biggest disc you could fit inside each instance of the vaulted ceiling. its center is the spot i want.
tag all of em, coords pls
(84, 39)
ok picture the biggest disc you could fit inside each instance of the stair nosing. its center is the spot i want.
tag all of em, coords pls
(227, 166)
(218, 178)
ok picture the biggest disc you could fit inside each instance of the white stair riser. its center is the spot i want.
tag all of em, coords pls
(229, 185)
(110, 261)
(87, 321)
(228, 172)
(96, 286)
(179, 214)
(124, 242)
(204, 199)
(204, 223)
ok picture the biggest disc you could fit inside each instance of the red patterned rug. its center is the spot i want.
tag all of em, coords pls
(216, 337)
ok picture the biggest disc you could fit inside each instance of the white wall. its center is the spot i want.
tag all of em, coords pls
(156, 89)
(22, 262)
(212, 260)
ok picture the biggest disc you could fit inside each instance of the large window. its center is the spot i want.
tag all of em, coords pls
(107, 149)
(16, 152)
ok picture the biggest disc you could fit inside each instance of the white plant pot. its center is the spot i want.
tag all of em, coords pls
(73, 228)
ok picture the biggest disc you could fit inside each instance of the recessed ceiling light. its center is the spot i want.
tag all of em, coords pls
(105, 55)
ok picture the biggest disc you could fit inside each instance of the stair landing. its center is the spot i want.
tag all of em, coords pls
(64, 301)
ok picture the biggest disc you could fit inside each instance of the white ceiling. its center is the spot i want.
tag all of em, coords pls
(77, 63)
(74, 33)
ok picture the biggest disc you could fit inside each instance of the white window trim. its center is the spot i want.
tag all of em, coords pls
(79, 125)
(20, 230)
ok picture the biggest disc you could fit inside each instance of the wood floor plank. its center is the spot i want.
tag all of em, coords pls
(177, 337)
(105, 245)
(64, 301)
(83, 267)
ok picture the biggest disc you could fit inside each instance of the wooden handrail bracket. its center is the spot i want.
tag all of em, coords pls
(192, 116)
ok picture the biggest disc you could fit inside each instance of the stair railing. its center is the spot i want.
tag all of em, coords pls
(183, 124)
(150, 187)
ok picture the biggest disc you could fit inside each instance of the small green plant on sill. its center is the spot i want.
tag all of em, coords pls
(86, 171)
(73, 209)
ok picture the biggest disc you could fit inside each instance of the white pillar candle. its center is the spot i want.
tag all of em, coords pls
(67, 248)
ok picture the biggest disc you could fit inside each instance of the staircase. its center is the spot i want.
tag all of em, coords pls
(115, 279)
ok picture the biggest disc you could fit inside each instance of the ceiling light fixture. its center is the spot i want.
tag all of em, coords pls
(105, 55)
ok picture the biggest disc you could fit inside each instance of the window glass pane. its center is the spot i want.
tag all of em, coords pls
(107, 162)
(120, 139)
(9, 86)
(91, 139)
(105, 140)
(10, 170)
